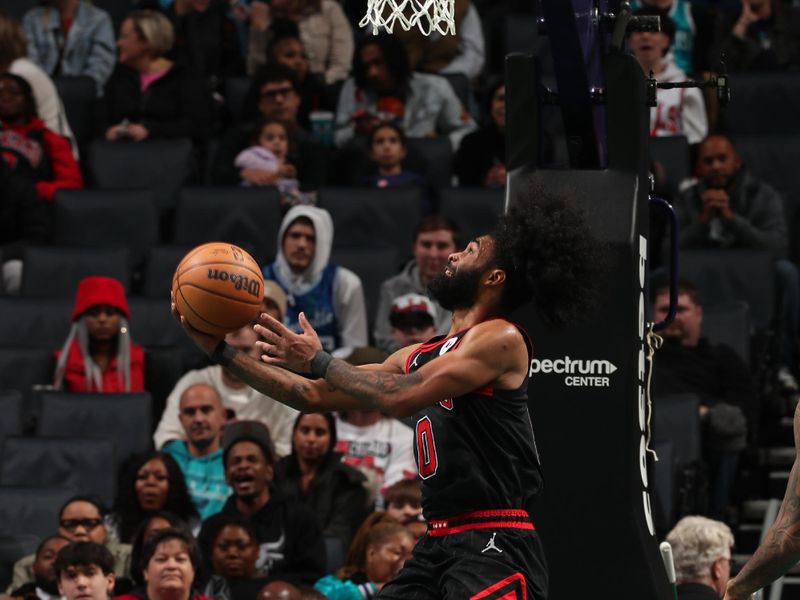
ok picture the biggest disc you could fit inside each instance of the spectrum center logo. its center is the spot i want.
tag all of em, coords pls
(579, 372)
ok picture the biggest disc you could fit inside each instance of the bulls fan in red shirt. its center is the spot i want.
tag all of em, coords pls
(475, 448)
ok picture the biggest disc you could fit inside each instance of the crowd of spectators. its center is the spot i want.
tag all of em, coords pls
(242, 495)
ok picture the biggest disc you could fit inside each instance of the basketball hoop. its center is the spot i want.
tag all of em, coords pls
(428, 15)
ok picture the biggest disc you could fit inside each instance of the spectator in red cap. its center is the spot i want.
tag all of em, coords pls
(99, 355)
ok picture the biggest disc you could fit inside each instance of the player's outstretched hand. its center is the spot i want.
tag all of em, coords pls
(285, 348)
(205, 341)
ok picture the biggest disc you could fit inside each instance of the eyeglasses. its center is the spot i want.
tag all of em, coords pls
(272, 94)
(73, 524)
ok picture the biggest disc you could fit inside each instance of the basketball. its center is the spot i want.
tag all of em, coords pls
(218, 288)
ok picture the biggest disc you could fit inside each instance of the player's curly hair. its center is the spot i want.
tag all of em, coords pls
(549, 255)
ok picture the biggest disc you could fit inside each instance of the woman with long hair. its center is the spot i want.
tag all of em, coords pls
(149, 483)
(379, 549)
(313, 473)
(98, 354)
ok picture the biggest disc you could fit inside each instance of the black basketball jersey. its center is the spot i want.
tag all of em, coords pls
(477, 451)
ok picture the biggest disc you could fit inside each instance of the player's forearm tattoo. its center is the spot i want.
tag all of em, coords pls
(780, 549)
(276, 383)
(371, 387)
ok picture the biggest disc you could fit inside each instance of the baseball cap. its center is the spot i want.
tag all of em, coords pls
(247, 431)
(273, 291)
(412, 310)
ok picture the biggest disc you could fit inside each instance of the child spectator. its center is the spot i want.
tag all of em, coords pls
(680, 111)
(388, 148)
(85, 571)
(268, 154)
(99, 355)
(25, 140)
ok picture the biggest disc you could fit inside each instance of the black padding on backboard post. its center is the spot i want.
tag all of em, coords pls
(587, 379)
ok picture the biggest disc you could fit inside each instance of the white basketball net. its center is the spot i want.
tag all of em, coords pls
(428, 15)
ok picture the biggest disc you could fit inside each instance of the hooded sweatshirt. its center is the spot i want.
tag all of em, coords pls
(680, 111)
(331, 296)
(48, 155)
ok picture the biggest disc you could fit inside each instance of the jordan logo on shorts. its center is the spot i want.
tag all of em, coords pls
(491, 545)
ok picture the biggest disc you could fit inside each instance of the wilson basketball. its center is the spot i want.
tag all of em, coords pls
(218, 288)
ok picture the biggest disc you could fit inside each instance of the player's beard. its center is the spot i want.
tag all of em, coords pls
(460, 290)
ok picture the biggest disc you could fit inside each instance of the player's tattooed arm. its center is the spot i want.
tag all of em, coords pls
(490, 351)
(780, 549)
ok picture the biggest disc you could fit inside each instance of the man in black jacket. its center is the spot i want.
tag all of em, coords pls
(291, 545)
(689, 363)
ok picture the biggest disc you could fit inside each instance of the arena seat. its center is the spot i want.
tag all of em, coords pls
(434, 158)
(16, 9)
(733, 274)
(118, 9)
(79, 97)
(54, 272)
(771, 158)
(163, 367)
(676, 418)
(664, 486)
(12, 548)
(235, 93)
(248, 217)
(373, 266)
(85, 464)
(153, 327)
(11, 409)
(763, 103)
(161, 165)
(461, 86)
(152, 323)
(160, 266)
(474, 210)
(335, 553)
(32, 510)
(100, 218)
(123, 419)
(673, 153)
(729, 324)
(367, 218)
(22, 368)
(34, 322)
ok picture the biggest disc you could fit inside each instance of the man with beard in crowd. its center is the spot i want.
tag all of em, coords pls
(468, 391)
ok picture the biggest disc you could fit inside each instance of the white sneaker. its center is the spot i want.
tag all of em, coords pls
(787, 380)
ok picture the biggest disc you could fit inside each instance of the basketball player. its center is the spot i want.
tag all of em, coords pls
(780, 550)
(474, 441)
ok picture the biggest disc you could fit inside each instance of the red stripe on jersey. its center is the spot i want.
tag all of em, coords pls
(481, 525)
(513, 594)
(484, 391)
(500, 512)
(408, 359)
